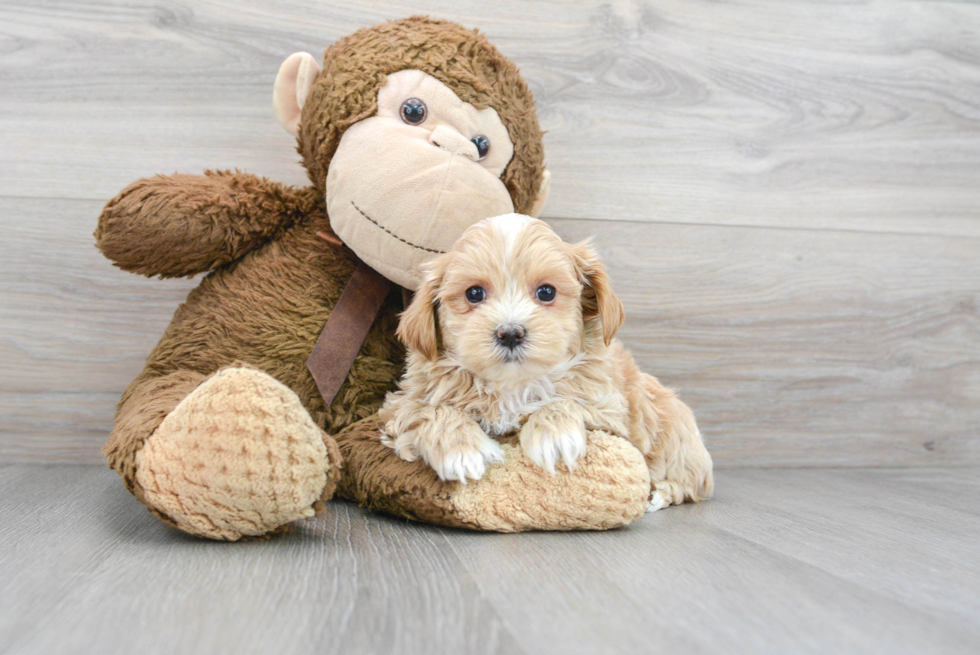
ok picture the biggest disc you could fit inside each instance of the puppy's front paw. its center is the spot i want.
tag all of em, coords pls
(550, 436)
(462, 455)
(460, 452)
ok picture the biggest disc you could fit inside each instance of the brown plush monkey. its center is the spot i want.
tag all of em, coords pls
(413, 130)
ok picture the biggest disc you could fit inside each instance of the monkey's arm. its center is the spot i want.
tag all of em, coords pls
(180, 225)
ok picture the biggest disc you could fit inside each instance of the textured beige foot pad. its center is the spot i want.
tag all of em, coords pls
(610, 487)
(239, 456)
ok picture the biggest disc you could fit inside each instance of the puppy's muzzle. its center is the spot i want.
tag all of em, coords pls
(510, 336)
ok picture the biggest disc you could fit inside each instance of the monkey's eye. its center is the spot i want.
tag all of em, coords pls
(546, 293)
(482, 144)
(413, 111)
(476, 295)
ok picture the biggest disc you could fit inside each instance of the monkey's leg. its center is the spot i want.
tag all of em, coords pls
(224, 457)
(609, 488)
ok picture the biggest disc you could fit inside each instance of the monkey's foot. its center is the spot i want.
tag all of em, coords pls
(609, 488)
(239, 456)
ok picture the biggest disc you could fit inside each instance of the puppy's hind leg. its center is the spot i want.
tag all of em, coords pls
(680, 465)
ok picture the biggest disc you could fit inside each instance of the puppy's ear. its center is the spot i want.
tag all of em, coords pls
(598, 298)
(417, 327)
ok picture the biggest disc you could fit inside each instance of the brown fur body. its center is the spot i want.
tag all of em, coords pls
(264, 309)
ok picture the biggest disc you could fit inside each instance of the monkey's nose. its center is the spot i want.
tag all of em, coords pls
(510, 336)
(449, 139)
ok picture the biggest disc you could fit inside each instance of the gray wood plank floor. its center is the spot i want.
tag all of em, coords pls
(831, 561)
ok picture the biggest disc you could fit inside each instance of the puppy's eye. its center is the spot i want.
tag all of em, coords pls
(546, 293)
(482, 144)
(476, 295)
(413, 111)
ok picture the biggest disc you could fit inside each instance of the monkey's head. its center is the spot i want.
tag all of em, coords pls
(414, 130)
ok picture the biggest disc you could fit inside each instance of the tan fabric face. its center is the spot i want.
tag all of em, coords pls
(399, 194)
(445, 109)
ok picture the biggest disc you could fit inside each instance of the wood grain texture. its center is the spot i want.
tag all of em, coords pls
(858, 115)
(781, 561)
(794, 347)
(786, 193)
(806, 348)
(75, 330)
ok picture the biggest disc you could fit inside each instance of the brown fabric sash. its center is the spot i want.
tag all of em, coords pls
(346, 329)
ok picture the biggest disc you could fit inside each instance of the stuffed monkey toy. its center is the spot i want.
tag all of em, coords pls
(412, 131)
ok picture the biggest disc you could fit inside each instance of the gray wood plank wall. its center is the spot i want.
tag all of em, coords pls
(788, 194)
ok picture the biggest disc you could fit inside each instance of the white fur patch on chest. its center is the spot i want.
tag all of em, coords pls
(507, 409)
(503, 410)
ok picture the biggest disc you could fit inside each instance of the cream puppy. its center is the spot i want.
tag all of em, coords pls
(512, 330)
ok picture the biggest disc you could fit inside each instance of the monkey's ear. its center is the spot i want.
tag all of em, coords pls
(542, 194)
(293, 83)
(598, 298)
(417, 327)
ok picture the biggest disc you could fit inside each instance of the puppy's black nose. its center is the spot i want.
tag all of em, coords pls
(510, 336)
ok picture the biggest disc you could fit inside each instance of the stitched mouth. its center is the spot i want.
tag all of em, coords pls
(405, 241)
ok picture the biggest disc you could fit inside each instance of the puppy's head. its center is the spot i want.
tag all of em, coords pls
(511, 301)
